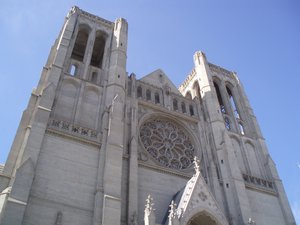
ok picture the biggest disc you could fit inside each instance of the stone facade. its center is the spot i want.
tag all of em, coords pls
(96, 146)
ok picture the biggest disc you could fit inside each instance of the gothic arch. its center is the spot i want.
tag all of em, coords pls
(252, 158)
(221, 100)
(236, 144)
(197, 90)
(66, 100)
(81, 40)
(89, 107)
(211, 217)
(99, 49)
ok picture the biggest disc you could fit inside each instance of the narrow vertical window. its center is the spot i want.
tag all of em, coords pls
(139, 92)
(242, 131)
(73, 70)
(191, 110)
(183, 109)
(98, 50)
(232, 102)
(227, 123)
(148, 95)
(222, 106)
(156, 96)
(175, 105)
(94, 77)
(80, 44)
(196, 87)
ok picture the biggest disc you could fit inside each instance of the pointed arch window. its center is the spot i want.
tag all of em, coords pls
(98, 50)
(175, 104)
(139, 92)
(183, 108)
(197, 91)
(94, 77)
(220, 100)
(192, 113)
(148, 95)
(156, 96)
(232, 102)
(80, 44)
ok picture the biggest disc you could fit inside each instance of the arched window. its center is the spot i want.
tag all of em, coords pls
(98, 50)
(156, 96)
(73, 70)
(191, 110)
(139, 92)
(188, 95)
(232, 102)
(80, 44)
(196, 87)
(183, 109)
(94, 77)
(175, 104)
(148, 95)
(222, 106)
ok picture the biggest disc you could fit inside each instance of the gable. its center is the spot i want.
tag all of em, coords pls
(197, 199)
(159, 79)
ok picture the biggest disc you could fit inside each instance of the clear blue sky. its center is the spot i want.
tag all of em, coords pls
(258, 39)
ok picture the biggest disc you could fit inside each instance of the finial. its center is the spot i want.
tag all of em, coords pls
(173, 210)
(251, 221)
(149, 204)
(196, 165)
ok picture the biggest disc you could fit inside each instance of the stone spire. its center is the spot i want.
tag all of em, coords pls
(149, 216)
(173, 216)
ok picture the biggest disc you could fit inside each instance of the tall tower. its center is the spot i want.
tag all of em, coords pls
(94, 143)
(243, 175)
(73, 117)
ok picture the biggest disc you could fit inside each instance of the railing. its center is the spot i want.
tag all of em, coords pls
(73, 129)
(259, 183)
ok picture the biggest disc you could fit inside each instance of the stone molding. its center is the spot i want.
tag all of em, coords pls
(90, 16)
(219, 70)
(187, 81)
(67, 129)
(259, 184)
(165, 170)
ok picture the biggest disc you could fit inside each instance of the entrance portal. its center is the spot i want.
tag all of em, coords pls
(202, 219)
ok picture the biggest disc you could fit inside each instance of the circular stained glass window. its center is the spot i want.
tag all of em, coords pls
(168, 143)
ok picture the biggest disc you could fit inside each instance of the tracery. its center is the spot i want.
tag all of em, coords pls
(168, 143)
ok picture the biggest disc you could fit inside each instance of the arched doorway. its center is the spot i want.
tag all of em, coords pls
(202, 219)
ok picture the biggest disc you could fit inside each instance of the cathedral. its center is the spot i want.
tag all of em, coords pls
(97, 146)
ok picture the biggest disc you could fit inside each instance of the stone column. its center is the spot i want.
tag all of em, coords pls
(88, 54)
(133, 158)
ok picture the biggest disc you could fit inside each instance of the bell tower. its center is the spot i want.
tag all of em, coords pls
(72, 124)
(238, 156)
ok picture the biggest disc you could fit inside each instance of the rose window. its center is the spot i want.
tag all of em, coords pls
(167, 143)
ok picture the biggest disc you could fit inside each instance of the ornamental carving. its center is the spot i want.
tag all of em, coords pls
(168, 143)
